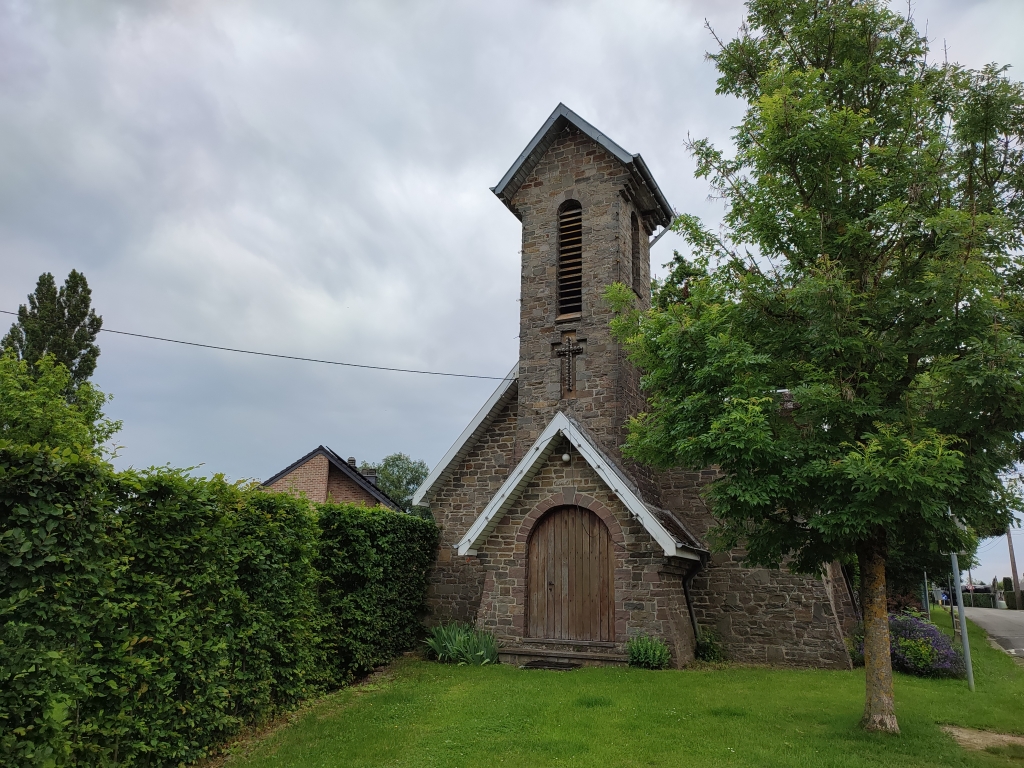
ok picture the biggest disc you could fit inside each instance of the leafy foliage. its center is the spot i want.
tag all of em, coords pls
(399, 476)
(34, 408)
(918, 648)
(373, 564)
(460, 643)
(709, 647)
(146, 616)
(648, 652)
(848, 350)
(59, 323)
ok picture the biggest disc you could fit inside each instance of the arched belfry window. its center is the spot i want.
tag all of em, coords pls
(570, 258)
(635, 251)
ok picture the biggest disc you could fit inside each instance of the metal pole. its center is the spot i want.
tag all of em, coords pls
(963, 621)
(1013, 568)
(925, 603)
(970, 586)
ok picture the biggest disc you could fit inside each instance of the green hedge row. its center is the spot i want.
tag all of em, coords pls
(147, 616)
(979, 600)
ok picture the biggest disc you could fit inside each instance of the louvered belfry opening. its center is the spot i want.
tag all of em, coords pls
(570, 258)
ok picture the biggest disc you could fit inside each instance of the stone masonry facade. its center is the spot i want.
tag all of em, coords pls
(456, 583)
(762, 616)
(648, 596)
(575, 168)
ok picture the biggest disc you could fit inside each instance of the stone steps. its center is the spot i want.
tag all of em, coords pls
(562, 653)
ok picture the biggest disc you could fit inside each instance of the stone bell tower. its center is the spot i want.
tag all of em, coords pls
(588, 210)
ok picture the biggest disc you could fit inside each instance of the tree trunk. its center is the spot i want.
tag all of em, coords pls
(879, 710)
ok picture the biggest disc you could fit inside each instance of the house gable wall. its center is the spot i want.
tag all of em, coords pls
(341, 490)
(309, 478)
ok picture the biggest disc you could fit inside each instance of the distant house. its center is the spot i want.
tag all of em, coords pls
(322, 475)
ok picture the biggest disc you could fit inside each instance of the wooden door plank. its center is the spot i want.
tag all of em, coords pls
(586, 587)
(571, 588)
(603, 593)
(549, 580)
(580, 597)
(563, 577)
(535, 580)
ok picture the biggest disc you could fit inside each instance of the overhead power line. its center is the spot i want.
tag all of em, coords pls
(291, 357)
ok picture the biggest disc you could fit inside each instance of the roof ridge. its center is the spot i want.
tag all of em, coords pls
(538, 146)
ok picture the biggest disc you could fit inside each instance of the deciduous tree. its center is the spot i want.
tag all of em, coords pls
(399, 475)
(34, 407)
(847, 348)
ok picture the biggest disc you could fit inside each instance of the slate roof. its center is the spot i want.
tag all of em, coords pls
(346, 469)
(651, 199)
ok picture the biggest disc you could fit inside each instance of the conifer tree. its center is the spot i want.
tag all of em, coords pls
(848, 348)
(60, 323)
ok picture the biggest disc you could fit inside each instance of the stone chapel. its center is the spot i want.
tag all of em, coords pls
(551, 539)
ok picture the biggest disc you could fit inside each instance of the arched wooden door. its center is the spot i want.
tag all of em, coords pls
(570, 577)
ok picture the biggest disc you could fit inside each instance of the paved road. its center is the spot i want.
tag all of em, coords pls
(1005, 627)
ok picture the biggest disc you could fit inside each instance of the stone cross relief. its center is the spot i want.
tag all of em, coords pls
(567, 351)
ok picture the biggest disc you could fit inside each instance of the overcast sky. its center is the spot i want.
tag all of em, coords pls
(312, 178)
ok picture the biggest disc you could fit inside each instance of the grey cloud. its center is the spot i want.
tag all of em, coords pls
(313, 178)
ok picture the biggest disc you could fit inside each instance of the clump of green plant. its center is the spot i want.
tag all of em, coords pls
(709, 647)
(648, 653)
(916, 647)
(459, 643)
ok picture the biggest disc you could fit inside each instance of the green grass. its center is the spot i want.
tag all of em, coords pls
(429, 714)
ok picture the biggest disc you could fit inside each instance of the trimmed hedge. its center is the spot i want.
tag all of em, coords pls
(147, 616)
(979, 600)
(374, 564)
(1008, 594)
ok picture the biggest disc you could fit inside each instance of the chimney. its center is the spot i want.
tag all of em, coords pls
(352, 461)
(371, 475)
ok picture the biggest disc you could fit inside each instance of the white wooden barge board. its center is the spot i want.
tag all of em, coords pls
(460, 445)
(531, 464)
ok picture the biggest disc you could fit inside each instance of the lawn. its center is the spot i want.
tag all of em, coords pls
(427, 714)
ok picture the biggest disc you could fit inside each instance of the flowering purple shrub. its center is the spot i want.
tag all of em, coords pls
(917, 647)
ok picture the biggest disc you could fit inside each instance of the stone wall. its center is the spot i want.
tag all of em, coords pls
(576, 168)
(456, 583)
(649, 597)
(761, 615)
(309, 478)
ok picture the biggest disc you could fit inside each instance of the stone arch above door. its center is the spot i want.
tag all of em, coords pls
(570, 581)
(571, 498)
